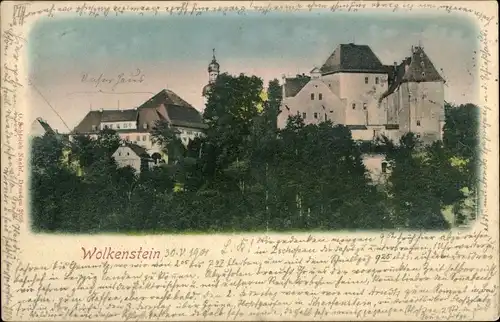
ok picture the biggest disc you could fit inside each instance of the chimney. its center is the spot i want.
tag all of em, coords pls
(283, 78)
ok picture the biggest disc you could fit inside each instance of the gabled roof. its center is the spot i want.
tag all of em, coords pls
(352, 58)
(137, 149)
(166, 105)
(421, 68)
(294, 85)
(416, 68)
(178, 111)
(93, 118)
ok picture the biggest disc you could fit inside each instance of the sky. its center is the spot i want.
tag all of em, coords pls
(66, 53)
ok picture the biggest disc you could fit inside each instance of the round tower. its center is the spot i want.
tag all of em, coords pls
(213, 73)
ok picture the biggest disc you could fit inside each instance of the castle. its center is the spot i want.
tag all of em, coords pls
(355, 89)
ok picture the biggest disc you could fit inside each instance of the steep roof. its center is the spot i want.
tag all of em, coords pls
(166, 105)
(93, 118)
(352, 58)
(178, 111)
(294, 85)
(421, 69)
(118, 115)
(139, 150)
(416, 68)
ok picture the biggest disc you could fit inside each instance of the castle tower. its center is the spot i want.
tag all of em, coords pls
(423, 97)
(213, 73)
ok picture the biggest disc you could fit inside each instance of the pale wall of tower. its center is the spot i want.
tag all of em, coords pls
(212, 76)
(419, 108)
(361, 92)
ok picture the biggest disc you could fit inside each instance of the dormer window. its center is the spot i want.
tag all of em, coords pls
(145, 125)
(94, 127)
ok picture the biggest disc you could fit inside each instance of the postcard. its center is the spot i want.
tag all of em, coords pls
(250, 161)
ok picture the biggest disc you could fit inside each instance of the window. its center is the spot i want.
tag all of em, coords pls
(94, 127)
(145, 125)
(418, 136)
(315, 115)
(365, 106)
(423, 74)
(330, 85)
(376, 80)
(118, 125)
(384, 167)
(127, 138)
(304, 115)
(418, 123)
(128, 153)
(312, 96)
(366, 80)
(353, 106)
(320, 96)
(106, 127)
(119, 154)
(111, 126)
(144, 138)
(138, 138)
(189, 132)
(326, 117)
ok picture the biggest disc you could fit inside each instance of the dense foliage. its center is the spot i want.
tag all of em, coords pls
(245, 174)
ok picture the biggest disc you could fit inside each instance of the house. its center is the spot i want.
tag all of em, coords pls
(355, 89)
(133, 155)
(135, 125)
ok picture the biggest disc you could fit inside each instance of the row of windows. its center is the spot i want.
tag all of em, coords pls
(120, 125)
(320, 96)
(367, 80)
(316, 115)
(365, 106)
(138, 138)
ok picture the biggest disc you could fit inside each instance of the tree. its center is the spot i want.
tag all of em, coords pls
(415, 196)
(168, 138)
(230, 112)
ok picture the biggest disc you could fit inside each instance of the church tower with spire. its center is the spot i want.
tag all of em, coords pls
(213, 73)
